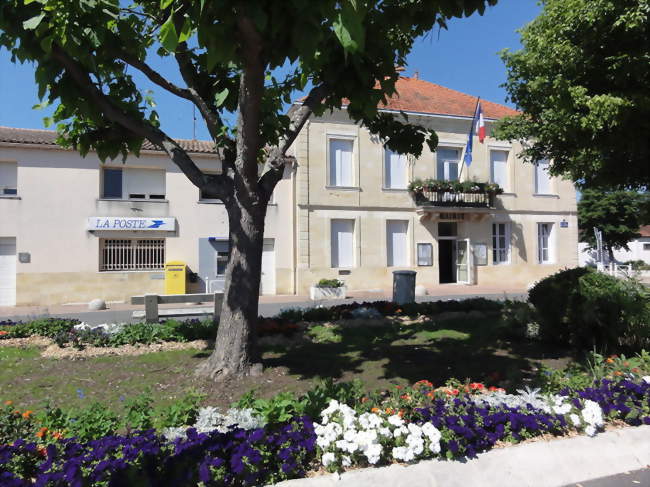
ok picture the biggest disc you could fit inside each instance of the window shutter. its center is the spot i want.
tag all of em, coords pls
(145, 183)
(342, 241)
(341, 162)
(395, 170)
(542, 178)
(397, 243)
(499, 167)
(8, 178)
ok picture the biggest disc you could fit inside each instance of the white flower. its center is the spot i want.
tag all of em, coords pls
(395, 420)
(575, 419)
(402, 430)
(345, 461)
(590, 430)
(328, 458)
(646, 379)
(433, 433)
(385, 432)
(373, 453)
(559, 406)
(592, 414)
(171, 434)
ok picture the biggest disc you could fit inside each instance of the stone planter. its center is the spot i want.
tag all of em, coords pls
(319, 293)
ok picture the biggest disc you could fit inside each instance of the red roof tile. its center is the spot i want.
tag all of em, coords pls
(48, 137)
(416, 95)
(645, 231)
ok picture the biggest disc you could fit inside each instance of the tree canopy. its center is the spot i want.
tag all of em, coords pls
(618, 214)
(227, 53)
(582, 81)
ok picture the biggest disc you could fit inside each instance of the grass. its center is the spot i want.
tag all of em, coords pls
(378, 355)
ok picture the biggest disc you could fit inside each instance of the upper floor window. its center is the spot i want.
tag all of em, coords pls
(448, 161)
(395, 170)
(499, 168)
(340, 161)
(542, 178)
(342, 239)
(132, 183)
(8, 178)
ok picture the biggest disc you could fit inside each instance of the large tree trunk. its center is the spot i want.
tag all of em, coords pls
(235, 353)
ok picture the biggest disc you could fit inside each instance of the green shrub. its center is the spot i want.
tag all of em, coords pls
(330, 283)
(181, 412)
(45, 327)
(92, 422)
(138, 413)
(519, 320)
(587, 309)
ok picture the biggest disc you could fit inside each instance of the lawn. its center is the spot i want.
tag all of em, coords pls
(462, 347)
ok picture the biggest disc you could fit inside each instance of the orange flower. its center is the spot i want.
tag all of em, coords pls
(398, 387)
(626, 364)
(636, 370)
(8, 403)
(364, 399)
(390, 410)
(375, 410)
(406, 397)
(27, 414)
(476, 386)
(42, 451)
(610, 360)
(430, 394)
(400, 413)
(398, 310)
(3, 333)
(618, 372)
(423, 382)
(455, 392)
(57, 435)
(42, 432)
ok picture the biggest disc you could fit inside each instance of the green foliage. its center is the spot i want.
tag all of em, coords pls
(181, 412)
(317, 399)
(93, 421)
(330, 283)
(138, 413)
(588, 309)
(519, 320)
(583, 85)
(13, 424)
(616, 213)
(45, 327)
(638, 265)
(419, 185)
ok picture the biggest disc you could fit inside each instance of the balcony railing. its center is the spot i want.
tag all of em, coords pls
(454, 194)
(453, 199)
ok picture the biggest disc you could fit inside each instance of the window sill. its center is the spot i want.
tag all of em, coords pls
(343, 188)
(10, 197)
(546, 195)
(508, 194)
(151, 271)
(136, 200)
(210, 202)
(395, 190)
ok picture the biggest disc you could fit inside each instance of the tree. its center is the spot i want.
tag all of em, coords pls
(618, 214)
(582, 81)
(228, 54)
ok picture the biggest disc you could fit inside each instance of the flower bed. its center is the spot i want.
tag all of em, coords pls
(267, 440)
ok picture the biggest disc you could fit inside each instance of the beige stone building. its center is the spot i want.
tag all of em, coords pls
(73, 229)
(357, 221)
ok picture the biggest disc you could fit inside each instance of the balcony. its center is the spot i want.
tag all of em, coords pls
(453, 200)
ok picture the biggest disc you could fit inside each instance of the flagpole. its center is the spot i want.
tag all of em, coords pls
(471, 134)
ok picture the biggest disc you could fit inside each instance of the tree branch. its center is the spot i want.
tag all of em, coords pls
(154, 76)
(219, 186)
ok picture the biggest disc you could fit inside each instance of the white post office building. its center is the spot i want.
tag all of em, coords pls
(73, 229)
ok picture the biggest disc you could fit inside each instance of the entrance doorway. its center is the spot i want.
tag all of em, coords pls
(446, 261)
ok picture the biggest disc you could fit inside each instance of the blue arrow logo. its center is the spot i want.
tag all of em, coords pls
(156, 224)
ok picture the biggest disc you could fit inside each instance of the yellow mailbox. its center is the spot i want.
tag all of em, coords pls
(175, 277)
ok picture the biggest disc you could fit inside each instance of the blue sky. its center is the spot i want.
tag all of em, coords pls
(463, 58)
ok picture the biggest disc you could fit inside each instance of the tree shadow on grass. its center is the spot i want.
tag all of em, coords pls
(431, 350)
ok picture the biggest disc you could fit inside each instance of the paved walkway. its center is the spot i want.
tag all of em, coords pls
(555, 463)
(269, 305)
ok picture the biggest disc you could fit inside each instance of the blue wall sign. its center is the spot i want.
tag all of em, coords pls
(129, 223)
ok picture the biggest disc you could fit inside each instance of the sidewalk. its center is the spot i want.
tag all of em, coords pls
(554, 463)
(269, 304)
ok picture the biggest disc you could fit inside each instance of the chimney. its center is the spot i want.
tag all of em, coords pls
(416, 75)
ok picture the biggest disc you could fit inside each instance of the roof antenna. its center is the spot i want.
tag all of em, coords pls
(193, 122)
(416, 75)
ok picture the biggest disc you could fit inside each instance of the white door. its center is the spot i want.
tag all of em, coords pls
(463, 261)
(7, 271)
(267, 283)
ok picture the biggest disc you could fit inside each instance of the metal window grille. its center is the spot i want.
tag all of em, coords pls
(132, 254)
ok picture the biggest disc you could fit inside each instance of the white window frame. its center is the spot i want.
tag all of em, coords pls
(8, 185)
(335, 261)
(502, 254)
(126, 192)
(132, 254)
(390, 251)
(388, 170)
(505, 185)
(550, 243)
(348, 138)
(542, 167)
(446, 162)
(429, 246)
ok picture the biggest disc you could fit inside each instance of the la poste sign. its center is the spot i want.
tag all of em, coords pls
(164, 224)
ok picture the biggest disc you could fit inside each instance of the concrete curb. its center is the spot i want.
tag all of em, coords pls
(552, 463)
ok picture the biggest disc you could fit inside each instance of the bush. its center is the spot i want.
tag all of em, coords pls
(45, 327)
(587, 309)
(330, 283)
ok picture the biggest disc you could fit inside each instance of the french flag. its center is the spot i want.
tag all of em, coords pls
(478, 127)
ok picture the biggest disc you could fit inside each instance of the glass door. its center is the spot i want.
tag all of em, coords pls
(463, 271)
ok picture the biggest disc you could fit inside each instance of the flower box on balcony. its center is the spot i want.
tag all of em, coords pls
(472, 194)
